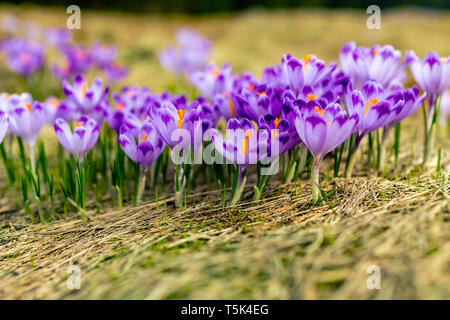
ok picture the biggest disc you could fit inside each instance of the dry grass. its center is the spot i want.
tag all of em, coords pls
(279, 248)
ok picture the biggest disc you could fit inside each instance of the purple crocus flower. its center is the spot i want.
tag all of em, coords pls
(57, 109)
(177, 126)
(192, 54)
(380, 64)
(58, 37)
(26, 119)
(23, 56)
(213, 80)
(258, 101)
(83, 137)
(412, 101)
(375, 111)
(372, 107)
(432, 73)
(243, 145)
(115, 72)
(3, 125)
(102, 54)
(144, 148)
(77, 61)
(445, 108)
(83, 97)
(322, 129)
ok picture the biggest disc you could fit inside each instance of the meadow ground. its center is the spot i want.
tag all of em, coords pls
(279, 248)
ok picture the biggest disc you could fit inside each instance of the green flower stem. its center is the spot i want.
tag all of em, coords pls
(315, 179)
(180, 183)
(382, 154)
(238, 186)
(141, 184)
(352, 158)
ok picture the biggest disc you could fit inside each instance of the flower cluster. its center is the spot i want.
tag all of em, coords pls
(25, 54)
(295, 113)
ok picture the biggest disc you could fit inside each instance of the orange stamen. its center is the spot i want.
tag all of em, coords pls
(7, 95)
(307, 58)
(276, 122)
(180, 118)
(28, 106)
(310, 97)
(79, 124)
(84, 88)
(375, 52)
(261, 93)
(54, 103)
(143, 138)
(251, 87)
(120, 106)
(370, 103)
(215, 72)
(244, 143)
(319, 110)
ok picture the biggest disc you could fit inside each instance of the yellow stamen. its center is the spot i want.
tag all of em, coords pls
(251, 87)
(276, 122)
(180, 118)
(375, 52)
(28, 106)
(318, 110)
(143, 138)
(444, 60)
(244, 143)
(7, 95)
(54, 103)
(370, 103)
(310, 97)
(230, 104)
(261, 93)
(307, 58)
(79, 124)
(215, 72)
(84, 88)
(329, 123)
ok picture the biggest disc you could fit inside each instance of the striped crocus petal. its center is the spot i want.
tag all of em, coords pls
(3, 125)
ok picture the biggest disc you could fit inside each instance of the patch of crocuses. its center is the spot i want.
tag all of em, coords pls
(296, 112)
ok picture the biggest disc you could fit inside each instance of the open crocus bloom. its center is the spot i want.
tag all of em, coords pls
(3, 125)
(192, 53)
(26, 119)
(23, 56)
(143, 148)
(213, 80)
(83, 137)
(412, 102)
(432, 73)
(380, 64)
(57, 109)
(243, 144)
(82, 96)
(177, 126)
(370, 104)
(322, 129)
(257, 101)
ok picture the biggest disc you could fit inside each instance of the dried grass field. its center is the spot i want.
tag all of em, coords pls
(281, 247)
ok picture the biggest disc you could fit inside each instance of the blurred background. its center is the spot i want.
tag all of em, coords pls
(249, 35)
(207, 6)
